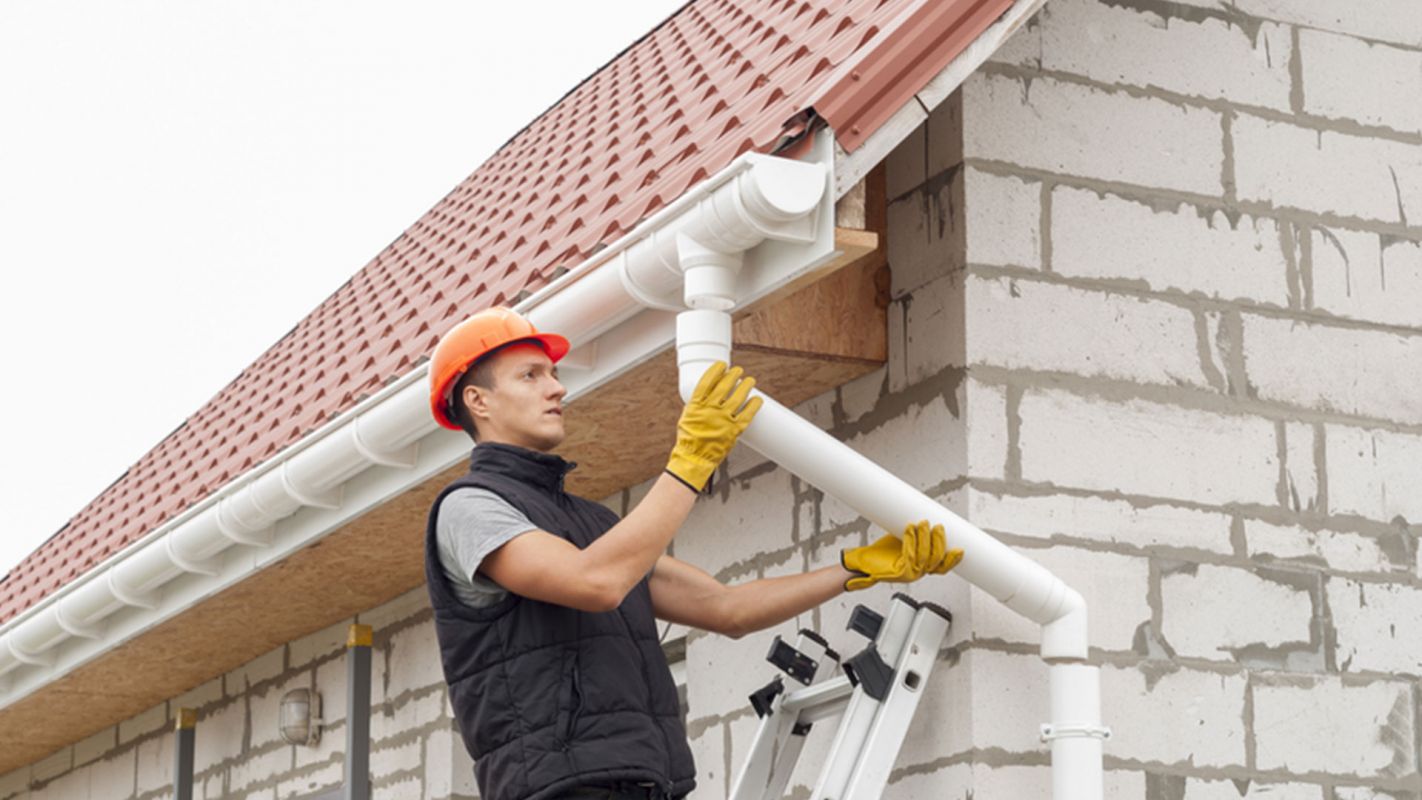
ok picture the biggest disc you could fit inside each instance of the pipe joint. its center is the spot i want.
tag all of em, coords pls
(708, 275)
(703, 338)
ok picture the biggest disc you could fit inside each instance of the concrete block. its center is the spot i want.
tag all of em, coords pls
(1389, 20)
(1116, 588)
(92, 747)
(1333, 66)
(264, 667)
(1347, 370)
(1376, 626)
(54, 764)
(986, 418)
(14, 782)
(390, 759)
(113, 777)
(904, 168)
(1297, 721)
(221, 734)
(922, 446)
(440, 779)
(199, 696)
(1327, 172)
(1200, 612)
(1004, 216)
(401, 788)
(953, 782)
(413, 660)
(1366, 793)
(1024, 325)
(395, 611)
(321, 644)
(1176, 717)
(1301, 474)
(1180, 248)
(859, 397)
(1100, 520)
(1346, 552)
(1201, 789)
(259, 768)
(311, 781)
(709, 752)
(144, 723)
(1147, 448)
(331, 683)
(1373, 472)
(756, 515)
(1367, 276)
(154, 763)
(934, 321)
(75, 784)
(410, 714)
(1159, 48)
(1061, 128)
(925, 237)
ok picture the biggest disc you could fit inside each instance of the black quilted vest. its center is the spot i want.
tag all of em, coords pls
(548, 697)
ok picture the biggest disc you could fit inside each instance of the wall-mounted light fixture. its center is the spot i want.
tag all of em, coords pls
(300, 719)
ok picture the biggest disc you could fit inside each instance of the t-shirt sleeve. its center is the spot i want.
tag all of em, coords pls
(473, 523)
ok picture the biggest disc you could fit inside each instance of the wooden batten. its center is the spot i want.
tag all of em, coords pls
(797, 345)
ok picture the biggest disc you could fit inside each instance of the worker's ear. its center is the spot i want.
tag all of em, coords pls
(475, 399)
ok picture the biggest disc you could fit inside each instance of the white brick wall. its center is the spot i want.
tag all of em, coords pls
(1356, 276)
(1388, 20)
(1146, 448)
(1202, 607)
(1373, 472)
(1327, 172)
(1376, 626)
(1003, 225)
(1352, 371)
(1298, 722)
(1100, 520)
(1060, 127)
(1391, 97)
(1203, 57)
(1175, 247)
(1021, 324)
(1175, 716)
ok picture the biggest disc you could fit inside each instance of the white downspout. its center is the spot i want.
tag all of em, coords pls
(1075, 732)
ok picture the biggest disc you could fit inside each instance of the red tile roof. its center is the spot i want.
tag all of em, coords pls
(716, 79)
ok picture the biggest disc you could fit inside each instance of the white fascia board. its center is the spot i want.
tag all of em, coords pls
(778, 212)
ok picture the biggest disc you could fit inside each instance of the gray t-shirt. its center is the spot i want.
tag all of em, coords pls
(473, 523)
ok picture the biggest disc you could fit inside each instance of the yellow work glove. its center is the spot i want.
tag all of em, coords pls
(921, 552)
(710, 423)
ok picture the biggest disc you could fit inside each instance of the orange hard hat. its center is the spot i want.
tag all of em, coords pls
(475, 337)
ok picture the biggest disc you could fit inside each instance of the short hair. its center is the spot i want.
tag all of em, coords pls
(481, 374)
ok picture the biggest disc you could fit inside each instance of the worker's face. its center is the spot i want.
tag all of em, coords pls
(524, 407)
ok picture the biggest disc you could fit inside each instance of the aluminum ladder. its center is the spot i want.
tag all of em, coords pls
(875, 699)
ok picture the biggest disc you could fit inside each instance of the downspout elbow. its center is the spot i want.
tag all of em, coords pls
(1065, 636)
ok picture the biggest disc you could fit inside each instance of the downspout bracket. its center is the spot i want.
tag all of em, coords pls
(1074, 731)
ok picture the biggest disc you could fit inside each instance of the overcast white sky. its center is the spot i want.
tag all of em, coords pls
(180, 183)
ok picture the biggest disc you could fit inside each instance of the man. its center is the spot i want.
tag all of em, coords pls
(545, 603)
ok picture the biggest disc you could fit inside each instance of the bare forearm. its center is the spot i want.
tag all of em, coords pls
(628, 551)
(759, 604)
